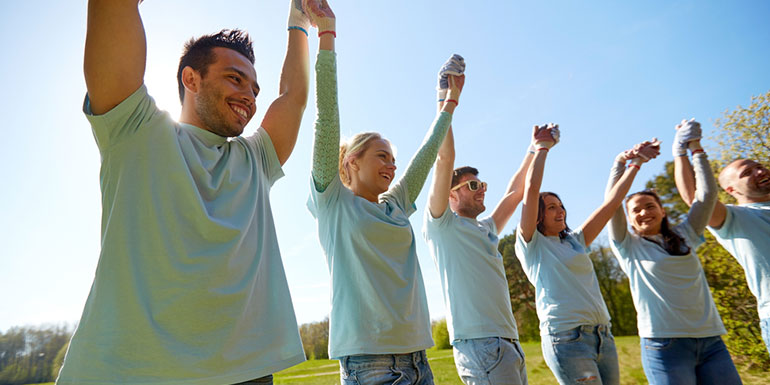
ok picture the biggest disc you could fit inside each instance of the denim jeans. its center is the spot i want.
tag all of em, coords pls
(266, 380)
(765, 325)
(688, 361)
(490, 361)
(390, 369)
(583, 355)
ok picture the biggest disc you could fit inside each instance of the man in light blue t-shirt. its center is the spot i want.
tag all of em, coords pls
(742, 229)
(480, 321)
(190, 286)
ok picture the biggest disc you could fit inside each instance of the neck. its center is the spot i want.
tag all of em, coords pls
(742, 199)
(367, 194)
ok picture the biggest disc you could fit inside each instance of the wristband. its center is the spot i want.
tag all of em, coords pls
(634, 165)
(542, 148)
(451, 101)
(298, 28)
(325, 32)
(698, 150)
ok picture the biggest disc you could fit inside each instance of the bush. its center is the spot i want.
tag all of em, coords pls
(440, 334)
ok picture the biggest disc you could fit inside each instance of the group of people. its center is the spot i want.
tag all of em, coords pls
(190, 287)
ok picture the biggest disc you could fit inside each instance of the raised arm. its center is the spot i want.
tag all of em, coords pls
(326, 143)
(513, 194)
(115, 52)
(688, 137)
(419, 166)
(621, 179)
(705, 197)
(543, 138)
(283, 117)
(438, 197)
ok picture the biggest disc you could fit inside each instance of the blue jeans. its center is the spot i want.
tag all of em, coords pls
(266, 380)
(765, 325)
(688, 361)
(583, 355)
(490, 361)
(386, 369)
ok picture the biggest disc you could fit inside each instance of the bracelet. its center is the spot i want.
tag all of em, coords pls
(542, 148)
(440, 100)
(452, 101)
(325, 32)
(298, 28)
(634, 165)
(698, 150)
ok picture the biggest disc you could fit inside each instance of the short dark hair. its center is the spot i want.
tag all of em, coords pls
(458, 173)
(198, 53)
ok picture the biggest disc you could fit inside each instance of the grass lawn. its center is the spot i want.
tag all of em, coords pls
(323, 372)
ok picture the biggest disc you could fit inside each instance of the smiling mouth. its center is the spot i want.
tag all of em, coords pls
(241, 112)
(387, 176)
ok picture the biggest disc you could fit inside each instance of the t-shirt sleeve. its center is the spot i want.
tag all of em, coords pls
(432, 225)
(320, 200)
(727, 225)
(525, 250)
(271, 166)
(399, 195)
(686, 231)
(489, 224)
(124, 120)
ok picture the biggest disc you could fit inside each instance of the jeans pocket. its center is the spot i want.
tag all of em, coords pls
(657, 343)
(567, 336)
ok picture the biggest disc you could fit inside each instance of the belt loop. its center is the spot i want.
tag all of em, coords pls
(344, 363)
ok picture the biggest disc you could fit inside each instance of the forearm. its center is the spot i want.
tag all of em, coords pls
(326, 144)
(533, 181)
(438, 199)
(618, 226)
(115, 52)
(294, 81)
(420, 165)
(705, 193)
(684, 178)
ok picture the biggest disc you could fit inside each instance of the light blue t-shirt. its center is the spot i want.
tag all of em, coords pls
(377, 292)
(746, 235)
(472, 274)
(566, 286)
(670, 292)
(190, 287)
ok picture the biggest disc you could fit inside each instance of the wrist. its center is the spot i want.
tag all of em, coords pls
(543, 145)
(637, 162)
(694, 145)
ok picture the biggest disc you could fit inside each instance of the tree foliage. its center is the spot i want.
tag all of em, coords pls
(315, 339)
(27, 353)
(743, 132)
(726, 278)
(440, 334)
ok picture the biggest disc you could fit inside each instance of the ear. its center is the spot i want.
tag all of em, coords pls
(353, 164)
(730, 190)
(191, 79)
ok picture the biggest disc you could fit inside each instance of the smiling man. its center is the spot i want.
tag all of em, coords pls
(742, 229)
(482, 329)
(190, 286)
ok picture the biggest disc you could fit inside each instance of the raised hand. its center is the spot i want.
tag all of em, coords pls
(545, 136)
(297, 17)
(641, 152)
(321, 16)
(687, 131)
(455, 65)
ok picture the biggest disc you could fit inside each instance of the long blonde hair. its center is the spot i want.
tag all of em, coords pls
(353, 148)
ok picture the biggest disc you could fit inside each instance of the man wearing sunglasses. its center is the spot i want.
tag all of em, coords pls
(479, 316)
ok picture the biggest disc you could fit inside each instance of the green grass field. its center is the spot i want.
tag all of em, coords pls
(326, 372)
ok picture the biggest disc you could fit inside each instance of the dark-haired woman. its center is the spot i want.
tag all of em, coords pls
(574, 322)
(678, 323)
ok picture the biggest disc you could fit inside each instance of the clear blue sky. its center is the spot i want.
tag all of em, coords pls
(611, 74)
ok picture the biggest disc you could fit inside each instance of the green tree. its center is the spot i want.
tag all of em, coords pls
(743, 132)
(725, 277)
(522, 292)
(613, 284)
(315, 339)
(440, 334)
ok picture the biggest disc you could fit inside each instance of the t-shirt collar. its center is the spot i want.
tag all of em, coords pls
(208, 138)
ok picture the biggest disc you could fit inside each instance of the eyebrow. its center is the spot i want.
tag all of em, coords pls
(242, 74)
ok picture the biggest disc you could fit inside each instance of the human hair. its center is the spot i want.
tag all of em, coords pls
(672, 242)
(198, 53)
(458, 173)
(353, 148)
(541, 214)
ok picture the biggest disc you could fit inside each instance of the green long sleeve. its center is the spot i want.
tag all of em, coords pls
(326, 143)
(420, 165)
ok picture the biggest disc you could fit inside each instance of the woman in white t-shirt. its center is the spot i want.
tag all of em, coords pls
(574, 322)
